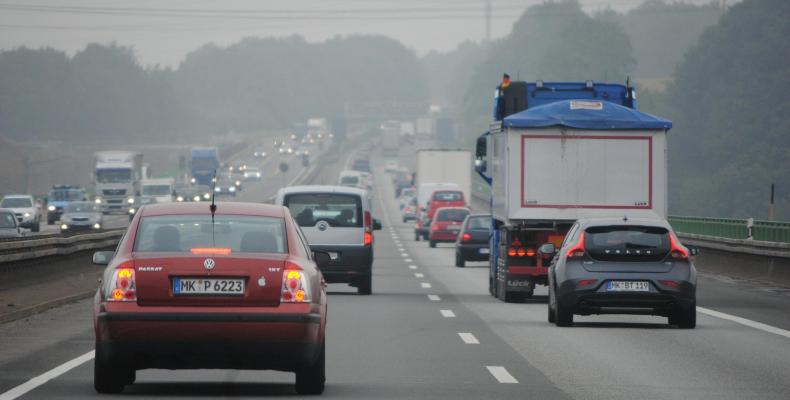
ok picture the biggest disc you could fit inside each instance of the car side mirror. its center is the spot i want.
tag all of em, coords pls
(547, 248)
(321, 258)
(376, 225)
(103, 257)
(693, 250)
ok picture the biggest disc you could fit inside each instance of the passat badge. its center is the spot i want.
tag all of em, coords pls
(208, 264)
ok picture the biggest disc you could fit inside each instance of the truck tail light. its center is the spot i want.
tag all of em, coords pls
(678, 251)
(515, 251)
(466, 237)
(577, 251)
(511, 252)
(295, 289)
(122, 284)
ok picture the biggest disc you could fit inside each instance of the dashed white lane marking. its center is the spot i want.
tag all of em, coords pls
(425, 285)
(419, 275)
(408, 260)
(468, 338)
(746, 322)
(412, 267)
(46, 376)
(447, 313)
(501, 374)
(404, 254)
(433, 297)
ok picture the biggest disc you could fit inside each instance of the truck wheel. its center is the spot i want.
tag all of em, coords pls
(311, 380)
(365, 286)
(686, 317)
(459, 260)
(563, 316)
(432, 244)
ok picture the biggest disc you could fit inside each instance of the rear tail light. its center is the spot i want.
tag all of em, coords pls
(577, 250)
(670, 284)
(221, 251)
(122, 285)
(368, 220)
(466, 237)
(511, 252)
(368, 238)
(678, 251)
(295, 289)
(586, 282)
(520, 251)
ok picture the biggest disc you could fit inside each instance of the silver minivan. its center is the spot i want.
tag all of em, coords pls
(337, 220)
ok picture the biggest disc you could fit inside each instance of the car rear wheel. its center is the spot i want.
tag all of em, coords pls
(432, 244)
(563, 316)
(459, 260)
(110, 376)
(686, 317)
(311, 380)
(365, 285)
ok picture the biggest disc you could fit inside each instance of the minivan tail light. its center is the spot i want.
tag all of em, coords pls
(294, 288)
(678, 251)
(368, 220)
(122, 284)
(368, 239)
(577, 250)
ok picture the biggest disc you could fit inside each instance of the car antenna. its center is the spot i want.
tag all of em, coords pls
(213, 206)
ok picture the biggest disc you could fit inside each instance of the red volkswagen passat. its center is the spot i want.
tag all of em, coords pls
(186, 289)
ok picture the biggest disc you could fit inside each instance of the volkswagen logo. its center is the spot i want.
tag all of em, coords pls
(322, 225)
(209, 264)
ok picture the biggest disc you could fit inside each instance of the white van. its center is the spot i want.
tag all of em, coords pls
(337, 220)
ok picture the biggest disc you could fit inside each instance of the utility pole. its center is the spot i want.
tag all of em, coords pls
(488, 20)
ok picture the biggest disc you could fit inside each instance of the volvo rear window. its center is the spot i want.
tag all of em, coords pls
(337, 209)
(627, 243)
(196, 234)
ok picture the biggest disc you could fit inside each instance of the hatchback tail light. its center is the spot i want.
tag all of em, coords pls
(678, 251)
(577, 250)
(466, 237)
(122, 284)
(295, 289)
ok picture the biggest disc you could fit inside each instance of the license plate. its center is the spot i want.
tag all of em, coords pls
(628, 286)
(453, 227)
(208, 286)
(484, 250)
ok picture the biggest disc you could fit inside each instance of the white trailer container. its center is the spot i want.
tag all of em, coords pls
(565, 174)
(445, 166)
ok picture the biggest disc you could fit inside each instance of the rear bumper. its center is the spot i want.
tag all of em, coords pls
(352, 263)
(471, 252)
(443, 236)
(657, 301)
(180, 340)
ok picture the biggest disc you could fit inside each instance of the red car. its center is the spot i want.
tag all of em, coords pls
(446, 224)
(445, 198)
(189, 288)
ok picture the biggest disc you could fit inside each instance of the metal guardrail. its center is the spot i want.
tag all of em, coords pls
(21, 250)
(766, 231)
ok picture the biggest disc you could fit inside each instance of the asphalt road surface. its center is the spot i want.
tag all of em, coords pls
(431, 331)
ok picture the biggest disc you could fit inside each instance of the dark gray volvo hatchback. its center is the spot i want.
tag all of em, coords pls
(622, 266)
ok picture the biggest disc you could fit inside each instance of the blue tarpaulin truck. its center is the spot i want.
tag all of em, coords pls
(204, 164)
(557, 152)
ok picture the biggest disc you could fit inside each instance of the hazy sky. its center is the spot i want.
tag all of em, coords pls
(164, 31)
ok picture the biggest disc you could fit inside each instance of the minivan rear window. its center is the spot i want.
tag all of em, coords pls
(337, 209)
(627, 243)
(448, 196)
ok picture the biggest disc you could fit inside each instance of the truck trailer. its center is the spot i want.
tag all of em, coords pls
(204, 165)
(557, 152)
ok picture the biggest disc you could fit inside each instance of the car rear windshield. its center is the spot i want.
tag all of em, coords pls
(627, 243)
(7, 220)
(343, 210)
(66, 195)
(452, 215)
(16, 203)
(349, 180)
(196, 233)
(479, 223)
(448, 196)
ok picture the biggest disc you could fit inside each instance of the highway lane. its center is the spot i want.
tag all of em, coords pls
(431, 330)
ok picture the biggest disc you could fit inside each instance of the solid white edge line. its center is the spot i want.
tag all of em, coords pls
(447, 313)
(746, 322)
(501, 374)
(419, 275)
(46, 376)
(425, 285)
(468, 338)
(433, 297)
